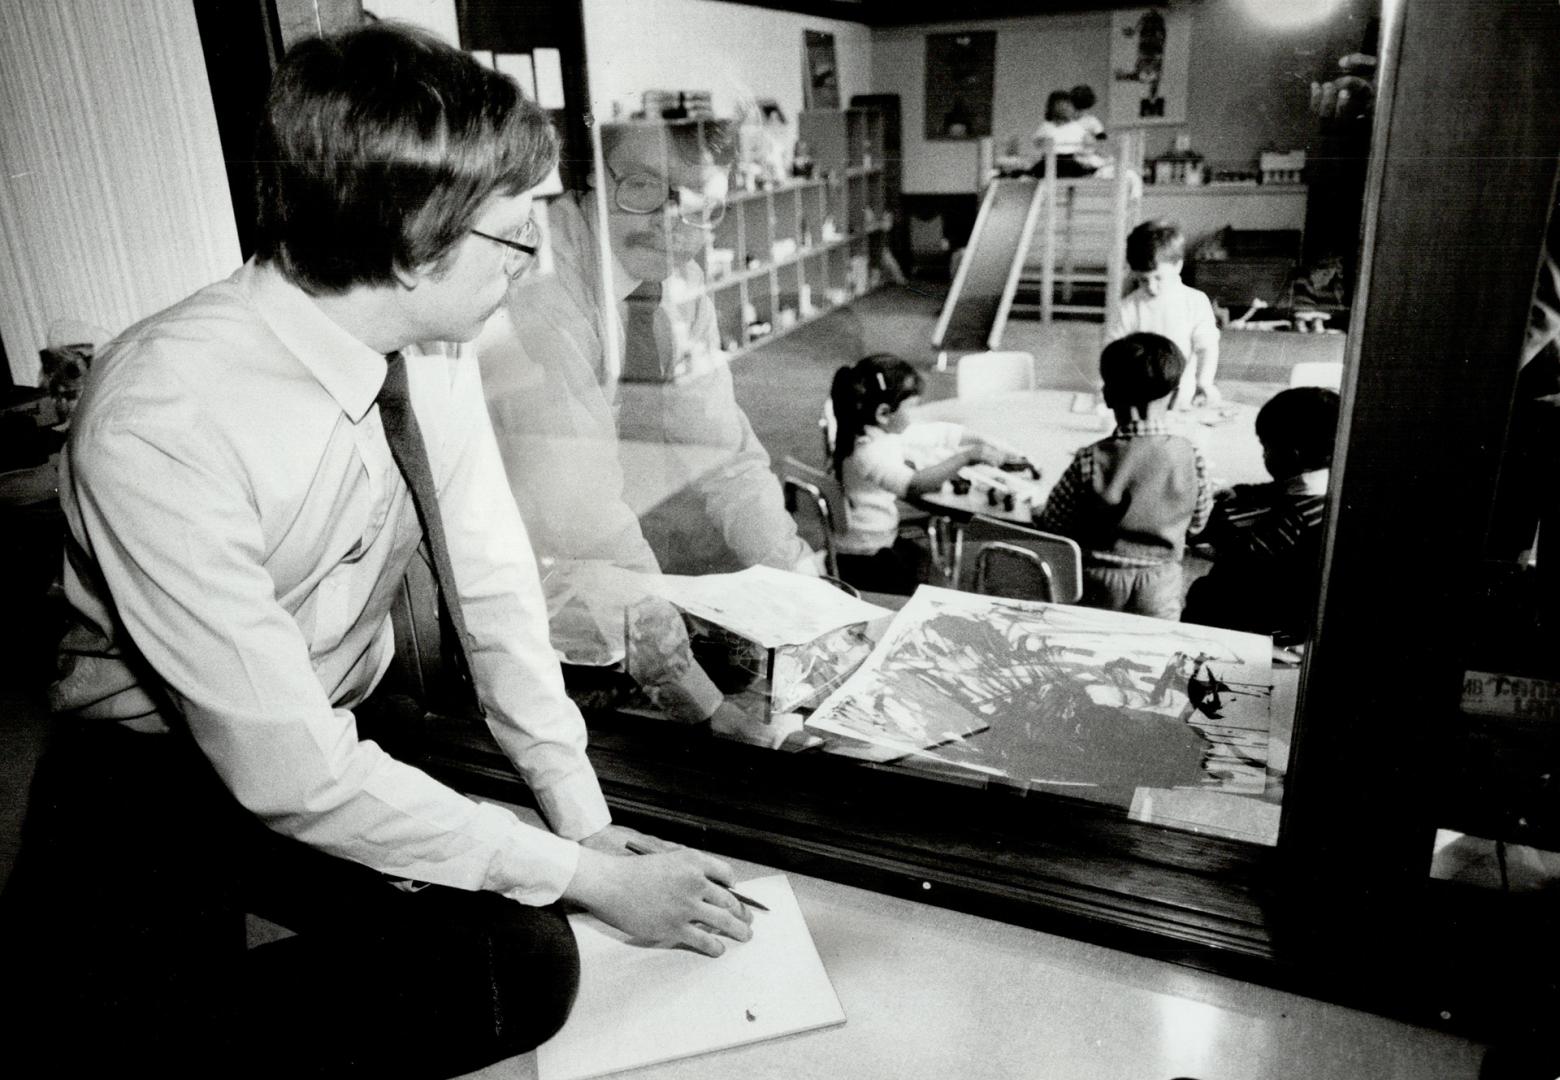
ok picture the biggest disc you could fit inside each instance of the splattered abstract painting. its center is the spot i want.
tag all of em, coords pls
(1059, 698)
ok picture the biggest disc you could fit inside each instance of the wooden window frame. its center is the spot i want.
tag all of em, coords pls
(1461, 183)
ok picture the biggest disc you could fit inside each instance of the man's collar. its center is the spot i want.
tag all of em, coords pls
(349, 370)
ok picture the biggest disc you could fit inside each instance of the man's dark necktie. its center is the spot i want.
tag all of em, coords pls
(647, 336)
(411, 456)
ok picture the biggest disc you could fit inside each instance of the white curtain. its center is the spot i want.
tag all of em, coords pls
(113, 198)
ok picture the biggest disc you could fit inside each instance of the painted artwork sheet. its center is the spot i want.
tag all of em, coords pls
(1060, 698)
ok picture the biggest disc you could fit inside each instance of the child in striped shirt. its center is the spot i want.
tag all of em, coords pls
(1266, 539)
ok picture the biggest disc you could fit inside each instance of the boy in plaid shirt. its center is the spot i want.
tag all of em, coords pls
(1267, 538)
(1131, 498)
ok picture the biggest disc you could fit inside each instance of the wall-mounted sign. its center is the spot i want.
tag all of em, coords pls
(820, 71)
(1150, 62)
(960, 77)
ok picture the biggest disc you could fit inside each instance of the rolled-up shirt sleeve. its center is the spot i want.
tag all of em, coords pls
(169, 520)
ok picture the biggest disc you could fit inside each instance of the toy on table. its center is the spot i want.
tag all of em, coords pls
(1009, 485)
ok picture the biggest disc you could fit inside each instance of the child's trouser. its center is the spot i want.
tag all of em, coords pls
(123, 929)
(1140, 590)
(897, 569)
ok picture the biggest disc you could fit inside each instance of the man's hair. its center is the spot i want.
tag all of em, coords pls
(1140, 368)
(695, 142)
(377, 150)
(1299, 426)
(1154, 242)
(1083, 96)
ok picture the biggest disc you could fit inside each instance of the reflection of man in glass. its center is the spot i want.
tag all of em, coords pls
(630, 350)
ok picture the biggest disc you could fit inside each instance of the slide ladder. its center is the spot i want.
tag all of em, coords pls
(1077, 258)
(1044, 247)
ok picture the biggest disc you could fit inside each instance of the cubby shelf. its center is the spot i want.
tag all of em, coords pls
(848, 191)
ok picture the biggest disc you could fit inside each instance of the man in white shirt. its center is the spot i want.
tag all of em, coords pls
(663, 381)
(241, 504)
(615, 411)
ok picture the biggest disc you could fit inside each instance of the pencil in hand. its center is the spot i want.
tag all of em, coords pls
(640, 849)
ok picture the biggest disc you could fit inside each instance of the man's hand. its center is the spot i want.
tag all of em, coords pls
(1207, 395)
(674, 897)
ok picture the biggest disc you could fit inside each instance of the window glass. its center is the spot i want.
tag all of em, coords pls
(678, 391)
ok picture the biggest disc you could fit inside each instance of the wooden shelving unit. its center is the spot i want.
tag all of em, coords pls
(785, 255)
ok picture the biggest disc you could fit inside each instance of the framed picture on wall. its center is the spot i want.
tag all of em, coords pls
(960, 76)
(820, 71)
(1150, 61)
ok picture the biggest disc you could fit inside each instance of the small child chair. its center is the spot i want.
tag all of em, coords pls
(984, 374)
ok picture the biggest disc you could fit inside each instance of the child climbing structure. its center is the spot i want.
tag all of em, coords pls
(1045, 246)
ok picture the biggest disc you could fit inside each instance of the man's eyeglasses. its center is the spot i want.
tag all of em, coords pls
(522, 245)
(646, 193)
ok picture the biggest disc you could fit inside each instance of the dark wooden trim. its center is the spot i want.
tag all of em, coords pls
(1052, 865)
(241, 43)
(918, 12)
(1467, 141)
(520, 28)
(993, 841)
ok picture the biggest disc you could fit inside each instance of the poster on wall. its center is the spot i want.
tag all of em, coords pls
(820, 72)
(960, 77)
(1150, 62)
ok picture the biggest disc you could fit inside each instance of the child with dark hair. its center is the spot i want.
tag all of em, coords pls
(1131, 499)
(1160, 303)
(1083, 100)
(1266, 538)
(874, 404)
(1072, 140)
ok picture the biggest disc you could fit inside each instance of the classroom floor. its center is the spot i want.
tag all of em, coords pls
(782, 385)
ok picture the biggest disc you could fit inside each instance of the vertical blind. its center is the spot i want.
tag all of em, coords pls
(113, 198)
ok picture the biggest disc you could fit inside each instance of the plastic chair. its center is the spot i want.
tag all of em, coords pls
(1004, 569)
(1328, 373)
(800, 480)
(1062, 556)
(986, 373)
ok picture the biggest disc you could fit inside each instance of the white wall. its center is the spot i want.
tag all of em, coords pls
(1249, 89)
(734, 51)
(113, 200)
(1034, 57)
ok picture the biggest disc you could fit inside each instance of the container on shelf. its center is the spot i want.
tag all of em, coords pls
(791, 249)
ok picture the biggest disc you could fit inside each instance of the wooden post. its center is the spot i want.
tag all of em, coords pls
(1048, 237)
(1462, 181)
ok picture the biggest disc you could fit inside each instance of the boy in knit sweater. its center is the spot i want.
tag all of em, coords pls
(1131, 498)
